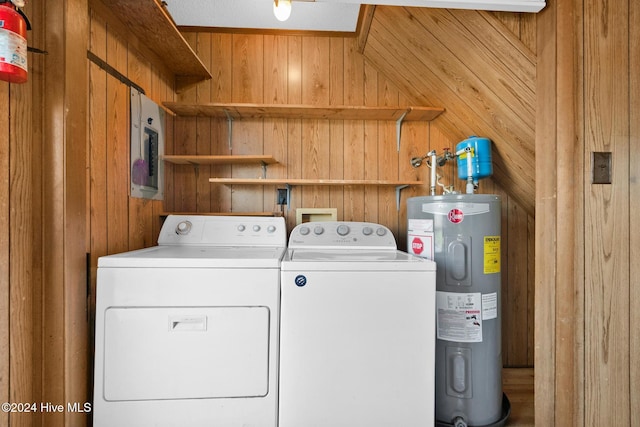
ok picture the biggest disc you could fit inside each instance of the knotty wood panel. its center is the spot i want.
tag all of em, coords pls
(523, 25)
(570, 250)
(607, 287)
(97, 159)
(5, 189)
(185, 142)
(203, 125)
(372, 139)
(118, 147)
(307, 70)
(118, 222)
(61, 325)
(634, 207)
(470, 63)
(585, 238)
(21, 288)
(546, 214)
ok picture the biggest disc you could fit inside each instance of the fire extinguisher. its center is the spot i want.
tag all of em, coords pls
(13, 41)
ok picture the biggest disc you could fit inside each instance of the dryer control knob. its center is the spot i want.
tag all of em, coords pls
(343, 230)
(271, 229)
(367, 231)
(256, 228)
(381, 231)
(304, 231)
(183, 227)
(241, 228)
(318, 230)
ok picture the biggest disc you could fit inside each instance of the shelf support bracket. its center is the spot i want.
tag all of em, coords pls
(399, 189)
(230, 126)
(399, 129)
(264, 170)
(288, 187)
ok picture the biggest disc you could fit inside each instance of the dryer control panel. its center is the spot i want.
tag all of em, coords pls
(342, 235)
(209, 230)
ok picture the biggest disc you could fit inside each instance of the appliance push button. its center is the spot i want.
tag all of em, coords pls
(304, 231)
(343, 230)
(183, 227)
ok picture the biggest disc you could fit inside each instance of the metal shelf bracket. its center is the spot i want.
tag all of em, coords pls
(288, 187)
(399, 129)
(230, 126)
(399, 189)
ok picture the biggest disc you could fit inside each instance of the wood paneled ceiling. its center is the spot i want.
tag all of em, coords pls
(470, 63)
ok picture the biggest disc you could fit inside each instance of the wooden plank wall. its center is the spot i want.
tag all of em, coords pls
(302, 70)
(324, 70)
(116, 221)
(559, 221)
(587, 345)
(474, 65)
(4, 247)
(21, 373)
(610, 298)
(634, 207)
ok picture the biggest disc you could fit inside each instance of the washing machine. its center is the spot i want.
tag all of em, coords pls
(187, 331)
(357, 337)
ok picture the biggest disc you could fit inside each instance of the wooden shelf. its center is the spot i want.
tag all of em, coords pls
(233, 112)
(218, 160)
(310, 182)
(153, 26)
(399, 185)
(305, 112)
(335, 112)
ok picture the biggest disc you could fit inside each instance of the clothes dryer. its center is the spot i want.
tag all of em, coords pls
(187, 331)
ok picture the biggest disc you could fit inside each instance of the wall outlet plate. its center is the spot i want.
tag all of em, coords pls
(601, 167)
(282, 196)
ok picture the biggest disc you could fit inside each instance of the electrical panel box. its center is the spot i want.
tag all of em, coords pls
(147, 147)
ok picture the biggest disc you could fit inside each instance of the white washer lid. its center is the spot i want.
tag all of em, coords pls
(197, 257)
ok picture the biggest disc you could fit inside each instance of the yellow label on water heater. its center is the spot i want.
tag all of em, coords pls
(491, 254)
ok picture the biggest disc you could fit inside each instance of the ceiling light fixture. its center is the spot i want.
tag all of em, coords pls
(282, 9)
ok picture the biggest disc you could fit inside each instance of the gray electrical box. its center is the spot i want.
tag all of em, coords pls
(147, 147)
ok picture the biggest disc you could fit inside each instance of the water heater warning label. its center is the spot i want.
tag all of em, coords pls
(491, 254)
(420, 238)
(459, 316)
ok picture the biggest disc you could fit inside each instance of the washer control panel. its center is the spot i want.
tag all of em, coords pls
(342, 234)
(209, 230)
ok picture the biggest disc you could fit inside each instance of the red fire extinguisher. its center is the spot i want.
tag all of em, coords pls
(13, 42)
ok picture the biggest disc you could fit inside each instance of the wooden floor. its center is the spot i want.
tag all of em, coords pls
(517, 384)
